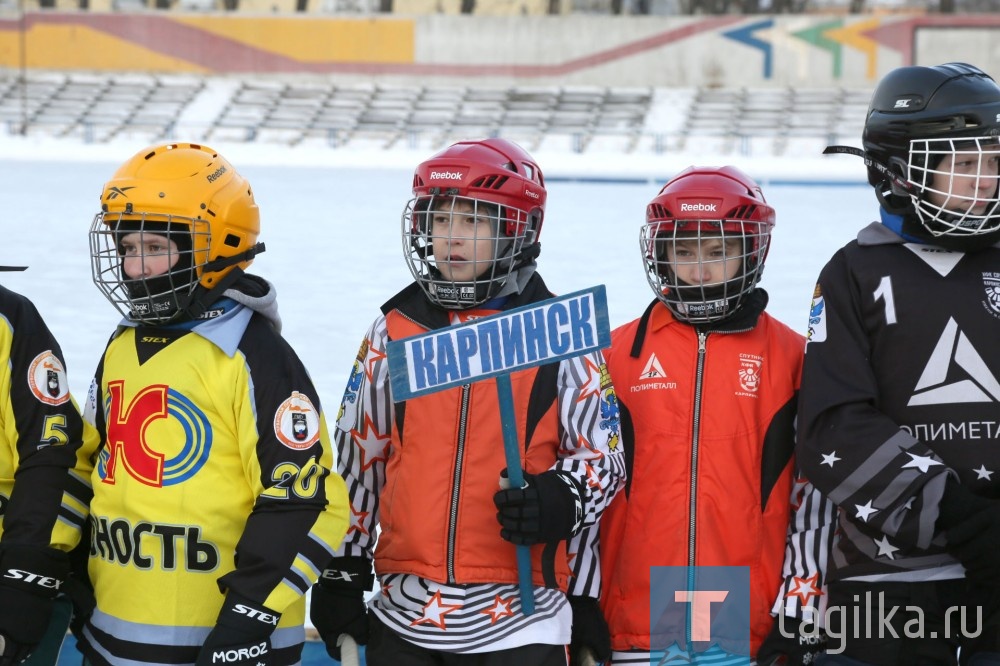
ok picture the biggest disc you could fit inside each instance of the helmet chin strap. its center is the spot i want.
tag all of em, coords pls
(527, 255)
(893, 195)
(892, 203)
(199, 300)
(226, 262)
(891, 176)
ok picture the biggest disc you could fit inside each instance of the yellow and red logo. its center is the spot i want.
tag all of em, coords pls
(157, 436)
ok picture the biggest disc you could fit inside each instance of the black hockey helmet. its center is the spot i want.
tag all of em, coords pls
(947, 101)
(918, 116)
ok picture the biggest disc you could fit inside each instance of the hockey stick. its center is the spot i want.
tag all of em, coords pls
(348, 650)
(512, 455)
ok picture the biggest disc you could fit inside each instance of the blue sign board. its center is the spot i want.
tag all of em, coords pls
(536, 334)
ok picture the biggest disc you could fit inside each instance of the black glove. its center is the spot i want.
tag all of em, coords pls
(242, 634)
(590, 631)
(338, 601)
(30, 579)
(972, 530)
(802, 648)
(548, 508)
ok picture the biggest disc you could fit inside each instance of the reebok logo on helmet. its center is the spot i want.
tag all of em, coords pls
(212, 177)
(698, 208)
(446, 175)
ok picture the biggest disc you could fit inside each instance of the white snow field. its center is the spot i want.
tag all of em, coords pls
(331, 222)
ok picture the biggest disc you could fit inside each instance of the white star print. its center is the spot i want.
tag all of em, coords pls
(885, 548)
(909, 503)
(923, 463)
(435, 611)
(830, 459)
(983, 473)
(865, 511)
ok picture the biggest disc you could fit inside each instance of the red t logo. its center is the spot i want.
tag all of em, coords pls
(127, 433)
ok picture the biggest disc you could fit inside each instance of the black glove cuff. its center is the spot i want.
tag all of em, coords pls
(39, 570)
(570, 493)
(241, 619)
(351, 573)
(590, 629)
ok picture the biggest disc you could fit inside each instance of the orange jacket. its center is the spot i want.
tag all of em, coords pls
(434, 466)
(722, 448)
(445, 453)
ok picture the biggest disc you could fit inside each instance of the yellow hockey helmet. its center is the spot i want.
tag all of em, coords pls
(194, 197)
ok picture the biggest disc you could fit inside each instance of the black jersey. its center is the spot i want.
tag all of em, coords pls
(900, 389)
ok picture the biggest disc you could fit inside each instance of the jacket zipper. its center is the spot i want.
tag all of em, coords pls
(463, 419)
(693, 487)
(695, 435)
(695, 442)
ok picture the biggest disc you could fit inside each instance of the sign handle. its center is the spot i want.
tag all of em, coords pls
(512, 453)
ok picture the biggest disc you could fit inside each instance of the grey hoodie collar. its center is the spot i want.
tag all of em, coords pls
(517, 281)
(877, 233)
(259, 295)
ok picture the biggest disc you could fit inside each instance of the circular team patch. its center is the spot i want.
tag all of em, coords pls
(296, 423)
(47, 379)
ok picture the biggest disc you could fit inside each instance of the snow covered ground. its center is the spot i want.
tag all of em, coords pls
(331, 219)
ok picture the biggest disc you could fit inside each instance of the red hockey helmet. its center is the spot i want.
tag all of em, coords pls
(493, 181)
(722, 211)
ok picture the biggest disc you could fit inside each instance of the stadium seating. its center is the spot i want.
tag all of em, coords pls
(95, 108)
(292, 111)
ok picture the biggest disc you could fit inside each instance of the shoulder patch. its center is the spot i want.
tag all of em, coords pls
(47, 379)
(817, 317)
(991, 284)
(296, 422)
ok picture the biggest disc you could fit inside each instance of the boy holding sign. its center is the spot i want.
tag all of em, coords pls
(425, 469)
(711, 382)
